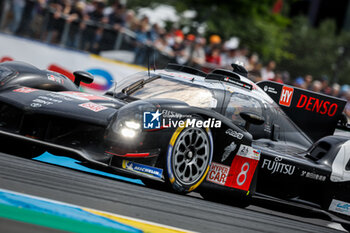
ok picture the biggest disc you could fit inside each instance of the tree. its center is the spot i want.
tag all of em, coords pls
(318, 51)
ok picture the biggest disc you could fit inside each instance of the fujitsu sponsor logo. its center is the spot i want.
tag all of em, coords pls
(313, 104)
(277, 166)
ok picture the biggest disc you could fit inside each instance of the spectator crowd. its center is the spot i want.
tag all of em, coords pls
(97, 25)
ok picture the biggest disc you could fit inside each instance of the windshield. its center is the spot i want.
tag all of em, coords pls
(169, 88)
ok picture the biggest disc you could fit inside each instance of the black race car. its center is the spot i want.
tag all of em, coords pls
(181, 128)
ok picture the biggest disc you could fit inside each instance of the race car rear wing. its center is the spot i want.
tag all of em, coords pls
(315, 113)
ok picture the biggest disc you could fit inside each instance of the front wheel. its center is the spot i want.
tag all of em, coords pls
(189, 156)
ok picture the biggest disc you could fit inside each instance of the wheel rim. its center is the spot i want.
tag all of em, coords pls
(191, 155)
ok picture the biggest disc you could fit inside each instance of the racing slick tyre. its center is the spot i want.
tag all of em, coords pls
(188, 159)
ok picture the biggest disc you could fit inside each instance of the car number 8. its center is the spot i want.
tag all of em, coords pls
(244, 170)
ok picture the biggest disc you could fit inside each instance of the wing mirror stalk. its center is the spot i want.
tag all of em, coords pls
(82, 76)
(251, 118)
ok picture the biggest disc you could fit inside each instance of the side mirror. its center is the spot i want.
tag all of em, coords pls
(82, 76)
(252, 118)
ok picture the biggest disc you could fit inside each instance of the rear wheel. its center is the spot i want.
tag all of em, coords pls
(188, 158)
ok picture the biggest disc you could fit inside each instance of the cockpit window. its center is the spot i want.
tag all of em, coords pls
(242, 103)
(169, 88)
(277, 125)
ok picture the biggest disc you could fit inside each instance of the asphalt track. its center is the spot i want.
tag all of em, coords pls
(188, 212)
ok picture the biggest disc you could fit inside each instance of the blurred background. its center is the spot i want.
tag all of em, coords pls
(305, 43)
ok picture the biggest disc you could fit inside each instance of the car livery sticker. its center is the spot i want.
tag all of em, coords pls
(243, 168)
(25, 90)
(218, 173)
(82, 95)
(313, 176)
(93, 107)
(228, 150)
(286, 96)
(340, 207)
(53, 78)
(277, 166)
(234, 134)
(143, 169)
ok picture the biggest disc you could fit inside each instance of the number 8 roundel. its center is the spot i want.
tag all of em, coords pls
(242, 171)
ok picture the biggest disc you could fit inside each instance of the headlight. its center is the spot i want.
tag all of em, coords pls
(129, 119)
(132, 124)
(128, 133)
(130, 129)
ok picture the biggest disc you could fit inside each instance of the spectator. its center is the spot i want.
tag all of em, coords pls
(308, 81)
(255, 76)
(37, 22)
(213, 57)
(242, 57)
(117, 17)
(116, 20)
(286, 77)
(75, 19)
(188, 44)
(252, 62)
(162, 46)
(17, 7)
(277, 78)
(154, 32)
(56, 21)
(347, 106)
(300, 82)
(93, 32)
(197, 58)
(26, 19)
(343, 90)
(131, 21)
(170, 37)
(214, 41)
(336, 90)
(316, 86)
(179, 48)
(326, 89)
(268, 71)
(229, 57)
(142, 41)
